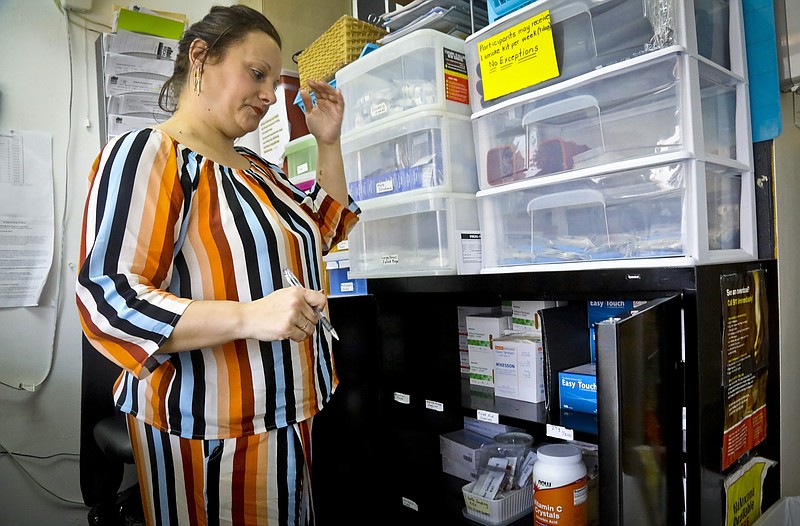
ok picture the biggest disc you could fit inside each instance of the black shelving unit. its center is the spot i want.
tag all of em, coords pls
(405, 338)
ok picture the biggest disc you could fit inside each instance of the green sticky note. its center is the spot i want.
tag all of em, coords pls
(149, 24)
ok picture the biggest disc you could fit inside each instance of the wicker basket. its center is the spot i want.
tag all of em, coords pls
(336, 47)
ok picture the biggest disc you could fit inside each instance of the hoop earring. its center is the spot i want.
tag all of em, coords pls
(198, 74)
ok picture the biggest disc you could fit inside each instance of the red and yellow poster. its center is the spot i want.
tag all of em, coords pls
(744, 363)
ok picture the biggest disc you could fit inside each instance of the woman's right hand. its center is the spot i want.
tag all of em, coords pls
(287, 313)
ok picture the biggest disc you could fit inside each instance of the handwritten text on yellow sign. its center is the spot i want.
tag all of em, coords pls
(520, 56)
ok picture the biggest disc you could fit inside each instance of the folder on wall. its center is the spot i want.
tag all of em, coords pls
(149, 24)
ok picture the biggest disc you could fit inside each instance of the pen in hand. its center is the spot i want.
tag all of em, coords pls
(293, 281)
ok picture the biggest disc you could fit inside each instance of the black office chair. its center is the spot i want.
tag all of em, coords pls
(105, 447)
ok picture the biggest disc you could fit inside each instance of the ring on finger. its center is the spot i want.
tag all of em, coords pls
(303, 328)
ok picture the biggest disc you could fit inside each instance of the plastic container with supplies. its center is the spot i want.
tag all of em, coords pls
(497, 512)
(341, 284)
(412, 237)
(662, 102)
(424, 70)
(339, 45)
(500, 8)
(588, 35)
(414, 153)
(687, 210)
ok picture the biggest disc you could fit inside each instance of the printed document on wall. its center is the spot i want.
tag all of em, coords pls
(26, 216)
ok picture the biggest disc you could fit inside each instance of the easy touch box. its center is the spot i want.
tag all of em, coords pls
(578, 388)
(600, 310)
(519, 368)
(481, 332)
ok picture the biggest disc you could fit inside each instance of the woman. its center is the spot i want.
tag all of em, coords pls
(184, 241)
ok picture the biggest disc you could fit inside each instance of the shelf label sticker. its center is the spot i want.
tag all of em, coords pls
(477, 504)
(434, 406)
(488, 416)
(520, 56)
(408, 503)
(560, 432)
(347, 286)
(402, 398)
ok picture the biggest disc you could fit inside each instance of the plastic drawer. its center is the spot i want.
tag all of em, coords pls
(689, 210)
(301, 157)
(412, 154)
(412, 237)
(662, 102)
(425, 70)
(588, 35)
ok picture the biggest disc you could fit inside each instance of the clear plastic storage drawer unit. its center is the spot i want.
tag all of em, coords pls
(423, 70)
(686, 209)
(654, 104)
(414, 237)
(587, 35)
(417, 153)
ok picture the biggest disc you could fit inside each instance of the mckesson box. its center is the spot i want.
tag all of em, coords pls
(410, 154)
(482, 331)
(412, 236)
(569, 38)
(662, 102)
(578, 388)
(463, 345)
(680, 212)
(424, 70)
(519, 368)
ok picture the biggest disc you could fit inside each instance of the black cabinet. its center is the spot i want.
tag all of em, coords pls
(652, 363)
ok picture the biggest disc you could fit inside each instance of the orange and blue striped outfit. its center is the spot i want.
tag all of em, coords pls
(164, 226)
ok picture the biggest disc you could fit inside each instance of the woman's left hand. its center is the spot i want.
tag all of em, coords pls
(324, 119)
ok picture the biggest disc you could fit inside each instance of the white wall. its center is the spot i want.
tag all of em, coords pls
(787, 212)
(35, 96)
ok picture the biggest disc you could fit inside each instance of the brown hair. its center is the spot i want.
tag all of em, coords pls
(220, 29)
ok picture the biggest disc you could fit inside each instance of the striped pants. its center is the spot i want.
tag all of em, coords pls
(259, 480)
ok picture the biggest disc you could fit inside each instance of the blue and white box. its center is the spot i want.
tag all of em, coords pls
(601, 310)
(578, 388)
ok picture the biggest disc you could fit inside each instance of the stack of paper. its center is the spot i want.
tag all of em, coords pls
(135, 67)
(454, 17)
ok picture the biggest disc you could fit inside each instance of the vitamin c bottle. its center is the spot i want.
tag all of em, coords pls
(559, 491)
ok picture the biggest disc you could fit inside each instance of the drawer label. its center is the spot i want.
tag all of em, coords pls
(384, 186)
(302, 168)
(378, 109)
(346, 286)
(408, 503)
(402, 398)
(520, 56)
(434, 405)
(390, 259)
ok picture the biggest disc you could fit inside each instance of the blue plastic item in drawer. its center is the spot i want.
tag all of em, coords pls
(500, 8)
(342, 285)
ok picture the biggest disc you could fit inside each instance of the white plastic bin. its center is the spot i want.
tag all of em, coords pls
(425, 69)
(592, 34)
(497, 512)
(785, 512)
(413, 153)
(411, 236)
(677, 212)
(662, 102)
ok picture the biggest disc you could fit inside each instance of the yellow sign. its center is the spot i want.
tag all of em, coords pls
(743, 492)
(520, 56)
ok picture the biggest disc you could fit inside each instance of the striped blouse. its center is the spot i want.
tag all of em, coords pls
(164, 226)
